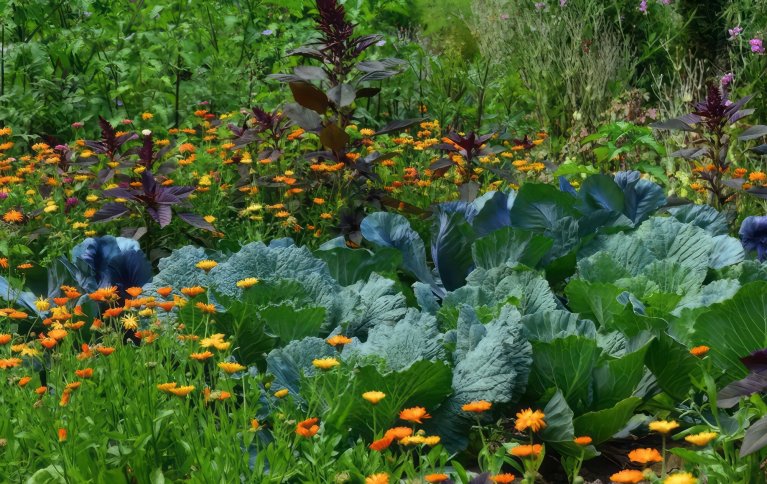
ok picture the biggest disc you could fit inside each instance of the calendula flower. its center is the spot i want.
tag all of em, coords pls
(254, 425)
(165, 291)
(526, 450)
(529, 419)
(436, 477)
(414, 414)
(399, 433)
(663, 426)
(130, 322)
(5, 338)
(215, 341)
(42, 304)
(231, 367)
(134, 291)
(701, 439)
(645, 456)
(503, 478)
(584, 440)
(247, 282)
(381, 444)
(432, 440)
(62, 433)
(308, 428)
(205, 308)
(206, 265)
(105, 350)
(6, 363)
(281, 393)
(84, 373)
(478, 406)
(201, 356)
(325, 363)
(681, 478)
(13, 216)
(380, 478)
(700, 350)
(338, 340)
(374, 396)
(192, 291)
(181, 391)
(628, 476)
(165, 387)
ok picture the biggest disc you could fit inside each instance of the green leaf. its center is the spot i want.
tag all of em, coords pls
(289, 323)
(538, 207)
(594, 301)
(348, 265)
(735, 328)
(510, 246)
(672, 365)
(603, 424)
(566, 364)
(617, 379)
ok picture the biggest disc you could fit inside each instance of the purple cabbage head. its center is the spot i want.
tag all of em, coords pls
(753, 235)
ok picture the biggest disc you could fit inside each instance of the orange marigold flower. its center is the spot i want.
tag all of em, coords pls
(700, 350)
(13, 216)
(478, 406)
(308, 428)
(436, 477)
(6, 363)
(134, 291)
(281, 393)
(24, 380)
(192, 291)
(381, 444)
(380, 478)
(48, 342)
(84, 373)
(201, 356)
(62, 433)
(112, 312)
(529, 419)
(105, 350)
(526, 450)
(503, 478)
(18, 315)
(65, 399)
(5, 338)
(414, 414)
(231, 367)
(758, 176)
(338, 340)
(205, 308)
(24, 266)
(628, 476)
(42, 390)
(164, 291)
(584, 440)
(645, 456)
(182, 391)
(399, 433)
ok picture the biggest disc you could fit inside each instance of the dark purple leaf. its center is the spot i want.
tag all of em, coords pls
(753, 132)
(307, 52)
(342, 95)
(755, 438)
(196, 221)
(180, 192)
(380, 65)
(309, 96)
(761, 149)
(730, 395)
(110, 211)
(366, 92)
(305, 118)
(333, 137)
(162, 214)
(310, 73)
(119, 193)
(377, 76)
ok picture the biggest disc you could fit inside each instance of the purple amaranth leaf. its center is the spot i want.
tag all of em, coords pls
(110, 211)
(195, 221)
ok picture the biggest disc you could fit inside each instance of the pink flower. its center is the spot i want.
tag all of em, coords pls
(727, 79)
(756, 46)
(643, 6)
(734, 32)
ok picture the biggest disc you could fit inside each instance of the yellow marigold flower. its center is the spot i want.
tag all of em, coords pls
(645, 456)
(182, 391)
(42, 304)
(130, 322)
(338, 340)
(215, 341)
(529, 419)
(380, 478)
(206, 265)
(325, 363)
(209, 218)
(700, 350)
(367, 132)
(412, 440)
(231, 367)
(628, 476)
(478, 406)
(757, 176)
(701, 439)
(414, 414)
(247, 282)
(319, 201)
(147, 116)
(374, 396)
(431, 440)
(254, 425)
(681, 478)
(663, 426)
(281, 393)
